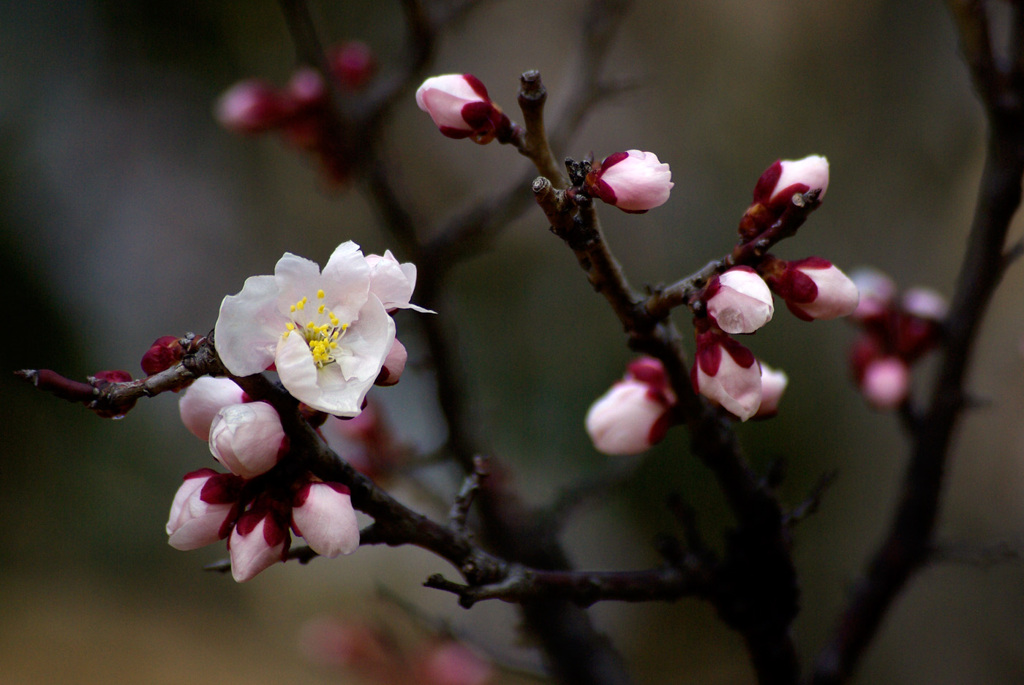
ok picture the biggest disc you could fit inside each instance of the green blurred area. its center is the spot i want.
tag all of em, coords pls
(127, 214)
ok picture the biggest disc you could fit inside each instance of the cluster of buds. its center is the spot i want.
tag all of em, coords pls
(366, 651)
(739, 300)
(300, 111)
(896, 331)
(252, 505)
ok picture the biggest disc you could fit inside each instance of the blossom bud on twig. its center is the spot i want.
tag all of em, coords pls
(352, 64)
(253, 107)
(258, 541)
(461, 108)
(247, 438)
(634, 181)
(164, 353)
(635, 413)
(726, 373)
(203, 399)
(322, 514)
(813, 288)
(203, 509)
(739, 301)
(885, 382)
(785, 178)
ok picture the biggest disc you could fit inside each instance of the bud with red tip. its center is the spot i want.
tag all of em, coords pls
(776, 188)
(203, 509)
(164, 353)
(813, 288)
(635, 413)
(352, 64)
(461, 108)
(634, 181)
(259, 540)
(739, 301)
(253, 106)
(247, 438)
(322, 514)
(726, 373)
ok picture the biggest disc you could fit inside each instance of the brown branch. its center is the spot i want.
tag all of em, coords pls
(584, 587)
(755, 588)
(908, 543)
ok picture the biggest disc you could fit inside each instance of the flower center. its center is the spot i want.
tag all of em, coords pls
(321, 331)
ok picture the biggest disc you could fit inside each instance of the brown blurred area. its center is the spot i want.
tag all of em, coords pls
(126, 214)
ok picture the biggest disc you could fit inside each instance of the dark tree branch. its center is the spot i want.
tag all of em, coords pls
(908, 543)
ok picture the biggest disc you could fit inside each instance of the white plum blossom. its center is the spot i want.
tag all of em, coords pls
(739, 300)
(326, 333)
(322, 514)
(634, 181)
(203, 399)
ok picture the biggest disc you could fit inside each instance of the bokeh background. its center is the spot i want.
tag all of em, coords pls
(126, 213)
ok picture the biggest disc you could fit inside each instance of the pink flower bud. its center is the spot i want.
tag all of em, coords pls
(727, 373)
(773, 385)
(352, 64)
(739, 301)
(203, 509)
(461, 108)
(247, 438)
(634, 181)
(635, 413)
(886, 382)
(203, 399)
(925, 303)
(164, 353)
(322, 514)
(785, 178)
(307, 88)
(814, 289)
(252, 107)
(394, 365)
(258, 541)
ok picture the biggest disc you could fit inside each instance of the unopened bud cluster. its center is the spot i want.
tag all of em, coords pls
(897, 329)
(300, 111)
(739, 300)
(249, 505)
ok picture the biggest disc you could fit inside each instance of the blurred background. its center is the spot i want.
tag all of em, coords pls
(126, 214)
